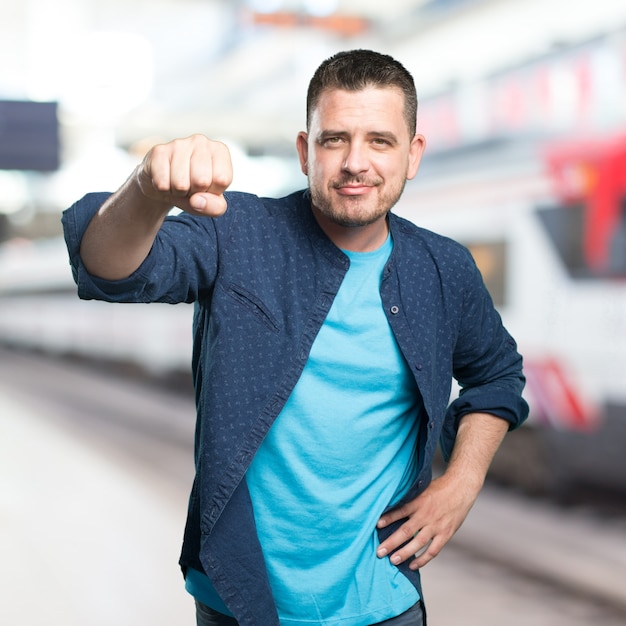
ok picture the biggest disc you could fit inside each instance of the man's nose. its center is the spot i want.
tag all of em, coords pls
(356, 160)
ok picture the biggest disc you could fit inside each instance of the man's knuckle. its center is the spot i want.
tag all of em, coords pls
(403, 511)
(406, 533)
(159, 151)
(202, 181)
(179, 186)
(432, 551)
(221, 180)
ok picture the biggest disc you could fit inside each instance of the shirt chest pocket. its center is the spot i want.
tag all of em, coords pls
(254, 305)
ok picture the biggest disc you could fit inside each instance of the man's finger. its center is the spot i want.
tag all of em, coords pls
(394, 515)
(416, 545)
(154, 172)
(404, 535)
(209, 204)
(426, 554)
(207, 165)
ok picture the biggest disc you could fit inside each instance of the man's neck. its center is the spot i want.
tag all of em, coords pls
(354, 238)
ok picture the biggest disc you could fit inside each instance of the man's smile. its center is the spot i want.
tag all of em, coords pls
(354, 190)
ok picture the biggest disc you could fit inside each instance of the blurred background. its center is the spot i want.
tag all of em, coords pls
(523, 105)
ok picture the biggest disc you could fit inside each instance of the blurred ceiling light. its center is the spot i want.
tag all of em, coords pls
(15, 192)
(316, 8)
(99, 166)
(321, 8)
(265, 6)
(109, 73)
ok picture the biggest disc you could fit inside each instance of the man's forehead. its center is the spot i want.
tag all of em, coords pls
(360, 99)
(373, 102)
(331, 91)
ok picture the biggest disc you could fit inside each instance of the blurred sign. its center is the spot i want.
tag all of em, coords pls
(29, 136)
(346, 25)
(579, 90)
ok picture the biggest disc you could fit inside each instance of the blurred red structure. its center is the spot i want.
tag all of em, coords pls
(593, 173)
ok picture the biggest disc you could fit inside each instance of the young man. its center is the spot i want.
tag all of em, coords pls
(327, 332)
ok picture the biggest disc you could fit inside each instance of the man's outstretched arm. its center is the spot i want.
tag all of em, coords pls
(191, 174)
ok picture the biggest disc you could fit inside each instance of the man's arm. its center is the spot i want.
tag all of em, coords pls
(437, 513)
(190, 173)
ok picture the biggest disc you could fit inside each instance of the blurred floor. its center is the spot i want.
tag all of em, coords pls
(90, 530)
(83, 540)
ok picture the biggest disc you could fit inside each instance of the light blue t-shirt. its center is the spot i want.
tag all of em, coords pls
(343, 448)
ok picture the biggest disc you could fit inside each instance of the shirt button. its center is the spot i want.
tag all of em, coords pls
(394, 310)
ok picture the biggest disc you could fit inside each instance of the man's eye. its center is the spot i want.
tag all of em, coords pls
(330, 141)
(380, 142)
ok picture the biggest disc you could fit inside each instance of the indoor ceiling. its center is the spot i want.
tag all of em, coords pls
(169, 67)
(141, 70)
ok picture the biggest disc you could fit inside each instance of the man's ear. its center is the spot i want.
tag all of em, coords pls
(418, 145)
(302, 145)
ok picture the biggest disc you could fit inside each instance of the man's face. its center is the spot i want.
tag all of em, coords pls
(358, 155)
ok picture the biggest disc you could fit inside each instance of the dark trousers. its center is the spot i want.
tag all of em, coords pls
(206, 616)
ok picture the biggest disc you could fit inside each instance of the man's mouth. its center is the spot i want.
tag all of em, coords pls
(354, 187)
(353, 190)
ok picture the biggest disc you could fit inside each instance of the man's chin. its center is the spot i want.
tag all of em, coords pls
(347, 222)
(349, 214)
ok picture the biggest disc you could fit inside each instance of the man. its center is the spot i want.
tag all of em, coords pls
(326, 334)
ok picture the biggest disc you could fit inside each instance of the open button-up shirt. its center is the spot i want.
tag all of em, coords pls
(263, 277)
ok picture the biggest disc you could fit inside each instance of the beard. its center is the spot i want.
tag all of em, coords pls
(355, 211)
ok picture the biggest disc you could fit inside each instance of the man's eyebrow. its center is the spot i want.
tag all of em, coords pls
(383, 134)
(325, 134)
(374, 134)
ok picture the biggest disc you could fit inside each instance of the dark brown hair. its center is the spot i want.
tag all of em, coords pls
(354, 70)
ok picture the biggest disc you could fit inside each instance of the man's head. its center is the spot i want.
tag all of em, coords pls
(354, 70)
(360, 146)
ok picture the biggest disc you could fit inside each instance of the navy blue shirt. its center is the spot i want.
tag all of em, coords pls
(263, 277)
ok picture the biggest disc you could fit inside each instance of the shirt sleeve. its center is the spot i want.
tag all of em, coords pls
(180, 266)
(486, 363)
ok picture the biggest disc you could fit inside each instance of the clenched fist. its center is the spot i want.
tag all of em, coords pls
(191, 174)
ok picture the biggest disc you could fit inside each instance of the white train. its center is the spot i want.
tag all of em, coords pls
(547, 226)
(39, 309)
